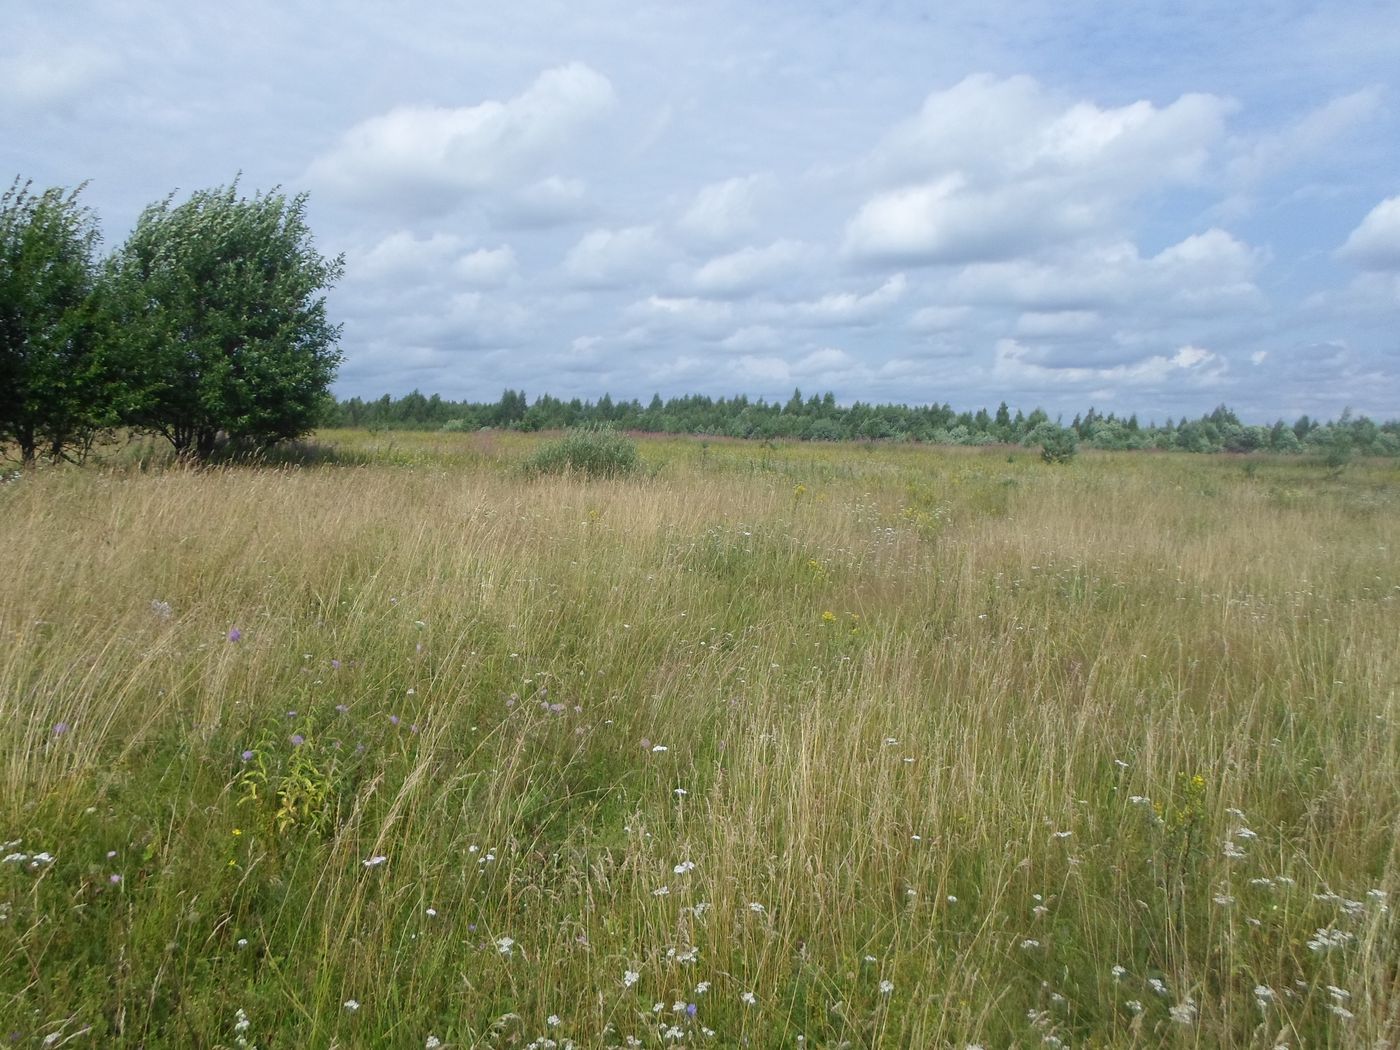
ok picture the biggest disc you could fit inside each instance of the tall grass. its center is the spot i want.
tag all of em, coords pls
(875, 747)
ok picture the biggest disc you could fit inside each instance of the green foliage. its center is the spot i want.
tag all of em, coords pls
(217, 311)
(1057, 444)
(596, 451)
(50, 371)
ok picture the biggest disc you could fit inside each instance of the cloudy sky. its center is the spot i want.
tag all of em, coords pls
(1149, 207)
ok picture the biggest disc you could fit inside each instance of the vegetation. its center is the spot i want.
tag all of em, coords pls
(822, 419)
(51, 390)
(207, 324)
(595, 452)
(876, 746)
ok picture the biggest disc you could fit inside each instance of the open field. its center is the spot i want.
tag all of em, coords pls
(863, 746)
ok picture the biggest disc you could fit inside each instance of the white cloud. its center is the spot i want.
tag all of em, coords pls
(1057, 322)
(753, 337)
(846, 308)
(1014, 362)
(427, 158)
(1269, 155)
(52, 76)
(989, 169)
(401, 253)
(748, 269)
(1204, 274)
(1375, 244)
(939, 318)
(551, 201)
(604, 258)
(724, 211)
(486, 267)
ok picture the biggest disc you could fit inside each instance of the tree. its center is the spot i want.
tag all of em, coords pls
(220, 317)
(49, 370)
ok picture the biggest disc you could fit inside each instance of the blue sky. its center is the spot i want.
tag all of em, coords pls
(1147, 207)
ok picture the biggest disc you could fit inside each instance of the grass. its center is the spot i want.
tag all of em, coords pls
(782, 723)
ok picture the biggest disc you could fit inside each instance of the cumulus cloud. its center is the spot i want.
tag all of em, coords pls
(607, 258)
(1016, 362)
(1375, 244)
(423, 159)
(1270, 154)
(53, 76)
(846, 308)
(993, 168)
(486, 267)
(724, 211)
(749, 269)
(1204, 274)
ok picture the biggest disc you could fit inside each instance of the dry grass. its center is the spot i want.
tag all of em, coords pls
(893, 705)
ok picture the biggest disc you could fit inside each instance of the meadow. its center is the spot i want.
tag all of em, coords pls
(794, 745)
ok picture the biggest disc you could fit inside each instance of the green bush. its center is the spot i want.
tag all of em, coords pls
(1057, 444)
(598, 452)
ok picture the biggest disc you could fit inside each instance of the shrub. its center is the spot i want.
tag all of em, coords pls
(1057, 444)
(594, 451)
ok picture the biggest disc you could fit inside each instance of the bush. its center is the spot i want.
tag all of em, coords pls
(596, 451)
(1057, 444)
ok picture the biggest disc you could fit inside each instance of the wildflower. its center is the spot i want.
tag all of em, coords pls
(684, 866)
(1223, 899)
(433, 1043)
(656, 749)
(1135, 1005)
(242, 942)
(681, 792)
(297, 740)
(886, 987)
(661, 891)
(505, 944)
(374, 862)
(393, 720)
(1233, 851)
(1325, 940)
(702, 987)
(1342, 1012)
(828, 616)
(342, 708)
(162, 609)
(629, 978)
(351, 1005)
(1157, 985)
(1063, 834)
(749, 998)
(430, 913)
(60, 729)
(1119, 972)
(552, 1020)
(756, 908)
(1030, 943)
(114, 879)
(691, 1009)
(247, 756)
(1183, 1013)
(1263, 994)
(234, 634)
(240, 1021)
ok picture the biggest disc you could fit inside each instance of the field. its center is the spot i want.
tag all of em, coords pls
(812, 746)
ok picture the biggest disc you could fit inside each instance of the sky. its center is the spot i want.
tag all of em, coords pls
(1149, 207)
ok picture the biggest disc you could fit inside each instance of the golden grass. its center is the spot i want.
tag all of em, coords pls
(865, 692)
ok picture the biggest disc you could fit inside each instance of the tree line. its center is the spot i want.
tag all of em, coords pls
(207, 325)
(821, 418)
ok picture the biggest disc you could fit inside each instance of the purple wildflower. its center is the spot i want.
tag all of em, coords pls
(393, 720)
(234, 634)
(298, 740)
(690, 1009)
(335, 665)
(247, 756)
(115, 880)
(60, 729)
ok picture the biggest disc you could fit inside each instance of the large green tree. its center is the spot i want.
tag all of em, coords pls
(221, 319)
(51, 378)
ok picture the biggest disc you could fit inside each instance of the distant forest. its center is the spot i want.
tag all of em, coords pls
(820, 418)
